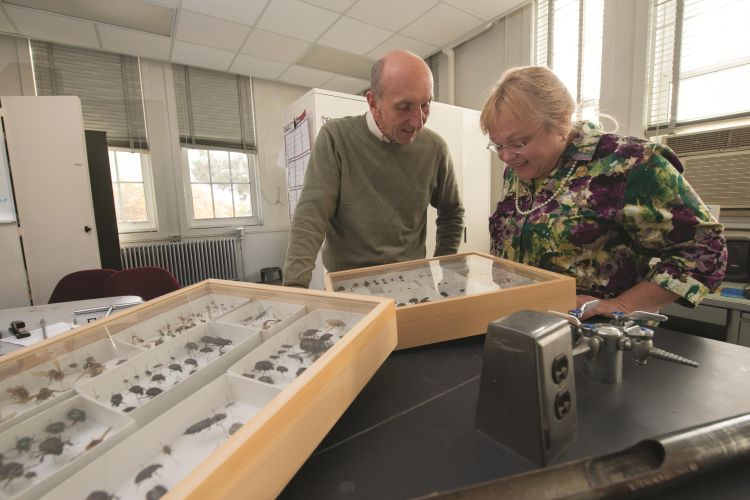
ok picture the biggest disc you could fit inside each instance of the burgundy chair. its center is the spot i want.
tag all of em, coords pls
(146, 282)
(81, 285)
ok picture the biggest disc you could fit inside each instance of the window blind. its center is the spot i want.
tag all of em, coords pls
(214, 108)
(568, 40)
(109, 86)
(699, 62)
(434, 63)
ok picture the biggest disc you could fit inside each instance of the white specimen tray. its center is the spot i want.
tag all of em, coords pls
(167, 449)
(67, 448)
(184, 364)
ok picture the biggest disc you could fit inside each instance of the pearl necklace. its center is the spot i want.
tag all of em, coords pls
(559, 189)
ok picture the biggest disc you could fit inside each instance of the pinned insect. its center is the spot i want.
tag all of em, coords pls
(152, 392)
(267, 379)
(53, 374)
(52, 445)
(146, 472)
(235, 427)
(92, 367)
(44, 394)
(100, 495)
(76, 416)
(137, 390)
(191, 346)
(175, 367)
(158, 378)
(263, 366)
(19, 394)
(23, 444)
(191, 361)
(56, 427)
(204, 424)
(116, 399)
(98, 440)
(11, 471)
(156, 492)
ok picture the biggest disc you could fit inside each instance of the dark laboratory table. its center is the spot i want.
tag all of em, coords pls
(410, 432)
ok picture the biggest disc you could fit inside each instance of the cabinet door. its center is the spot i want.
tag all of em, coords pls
(51, 184)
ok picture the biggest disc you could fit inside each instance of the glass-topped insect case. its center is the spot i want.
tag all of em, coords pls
(219, 389)
(456, 296)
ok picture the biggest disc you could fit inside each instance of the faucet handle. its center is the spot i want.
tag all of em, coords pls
(648, 316)
(580, 311)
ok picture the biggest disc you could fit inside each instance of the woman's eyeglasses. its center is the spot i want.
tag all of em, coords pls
(514, 147)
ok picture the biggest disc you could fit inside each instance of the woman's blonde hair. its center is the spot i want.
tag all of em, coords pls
(530, 94)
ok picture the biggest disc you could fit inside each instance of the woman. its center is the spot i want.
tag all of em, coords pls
(613, 212)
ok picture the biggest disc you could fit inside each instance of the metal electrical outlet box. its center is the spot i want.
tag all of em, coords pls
(527, 395)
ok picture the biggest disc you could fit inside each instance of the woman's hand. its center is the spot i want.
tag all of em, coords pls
(605, 307)
(644, 296)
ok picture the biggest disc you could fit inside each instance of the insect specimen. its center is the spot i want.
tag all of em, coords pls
(129, 409)
(300, 371)
(44, 394)
(191, 361)
(53, 374)
(52, 445)
(98, 440)
(204, 424)
(156, 492)
(24, 444)
(11, 471)
(100, 495)
(56, 428)
(270, 322)
(175, 367)
(116, 399)
(235, 427)
(282, 369)
(217, 341)
(92, 367)
(137, 390)
(263, 366)
(158, 378)
(76, 416)
(19, 394)
(152, 392)
(146, 472)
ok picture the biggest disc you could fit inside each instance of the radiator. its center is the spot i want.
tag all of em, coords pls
(190, 261)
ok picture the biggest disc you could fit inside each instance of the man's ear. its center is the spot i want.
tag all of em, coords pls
(372, 101)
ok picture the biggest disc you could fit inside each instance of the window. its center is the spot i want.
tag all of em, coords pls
(221, 183)
(217, 134)
(568, 40)
(699, 62)
(109, 86)
(133, 190)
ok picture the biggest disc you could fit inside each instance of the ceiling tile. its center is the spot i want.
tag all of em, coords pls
(347, 84)
(441, 25)
(354, 36)
(337, 5)
(381, 13)
(296, 19)
(198, 55)
(486, 9)
(306, 77)
(404, 43)
(5, 24)
(209, 31)
(239, 11)
(134, 43)
(257, 67)
(270, 45)
(52, 27)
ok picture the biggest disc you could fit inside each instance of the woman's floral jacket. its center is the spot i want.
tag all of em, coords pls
(626, 215)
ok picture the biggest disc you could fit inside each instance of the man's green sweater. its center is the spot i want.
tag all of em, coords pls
(368, 199)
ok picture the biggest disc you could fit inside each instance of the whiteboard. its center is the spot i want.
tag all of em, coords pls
(7, 209)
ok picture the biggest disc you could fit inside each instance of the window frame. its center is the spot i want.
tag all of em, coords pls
(151, 224)
(220, 222)
(543, 51)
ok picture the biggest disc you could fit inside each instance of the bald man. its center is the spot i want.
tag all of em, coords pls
(371, 178)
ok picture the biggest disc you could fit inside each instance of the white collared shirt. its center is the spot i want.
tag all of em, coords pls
(374, 128)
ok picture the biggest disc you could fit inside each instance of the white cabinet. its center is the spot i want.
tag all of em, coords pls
(47, 157)
(460, 129)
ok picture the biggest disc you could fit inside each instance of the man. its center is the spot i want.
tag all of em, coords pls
(371, 177)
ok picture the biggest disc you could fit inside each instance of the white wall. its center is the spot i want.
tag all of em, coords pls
(15, 79)
(479, 63)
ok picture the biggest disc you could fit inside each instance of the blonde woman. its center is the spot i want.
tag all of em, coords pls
(614, 212)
